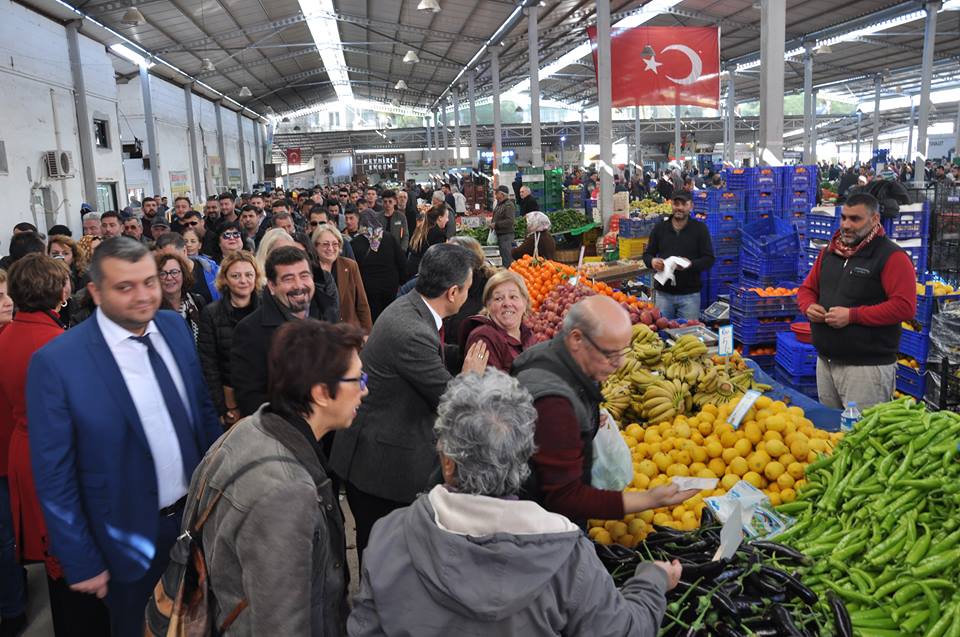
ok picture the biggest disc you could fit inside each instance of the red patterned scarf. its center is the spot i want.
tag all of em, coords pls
(841, 249)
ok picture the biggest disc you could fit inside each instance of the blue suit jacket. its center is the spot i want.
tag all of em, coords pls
(92, 465)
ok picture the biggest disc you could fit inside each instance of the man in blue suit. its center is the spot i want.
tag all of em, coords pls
(119, 418)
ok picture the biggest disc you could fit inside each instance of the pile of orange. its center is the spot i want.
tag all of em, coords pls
(768, 291)
(541, 276)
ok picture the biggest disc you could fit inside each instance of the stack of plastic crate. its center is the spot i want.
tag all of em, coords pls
(821, 224)
(758, 319)
(915, 343)
(760, 190)
(721, 211)
(769, 249)
(552, 189)
(533, 179)
(796, 364)
(910, 230)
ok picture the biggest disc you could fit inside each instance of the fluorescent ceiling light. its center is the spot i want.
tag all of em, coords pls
(206, 64)
(411, 57)
(326, 35)
(133, 17)
(429, 5)
(245, 91)
(130, 55)
(400, 86)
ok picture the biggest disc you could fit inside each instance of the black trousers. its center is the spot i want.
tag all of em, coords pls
(76, 614)
(127, 601)
(367, 509)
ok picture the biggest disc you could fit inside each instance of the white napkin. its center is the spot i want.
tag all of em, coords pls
(669, 266)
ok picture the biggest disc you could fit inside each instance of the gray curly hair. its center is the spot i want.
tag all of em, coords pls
(485, 425)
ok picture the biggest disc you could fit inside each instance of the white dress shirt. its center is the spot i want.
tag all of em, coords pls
(436, 317)
(134, 363)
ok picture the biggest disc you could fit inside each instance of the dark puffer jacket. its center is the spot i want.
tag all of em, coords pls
(217, 322)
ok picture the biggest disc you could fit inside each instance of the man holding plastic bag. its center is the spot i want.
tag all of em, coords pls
(577, 471)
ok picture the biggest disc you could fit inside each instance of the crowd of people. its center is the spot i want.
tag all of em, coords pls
(259, 358)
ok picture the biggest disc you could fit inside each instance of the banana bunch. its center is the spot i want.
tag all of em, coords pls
(665, 399)
(643, 335)
(688, 371)
(722, 390)
(687, 347)
(647, 354)
(616, 398)
(709, 378)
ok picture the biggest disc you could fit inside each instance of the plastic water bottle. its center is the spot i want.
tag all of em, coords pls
(849, 417)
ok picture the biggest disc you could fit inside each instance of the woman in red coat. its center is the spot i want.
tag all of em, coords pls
(39, 287)
(500, 325)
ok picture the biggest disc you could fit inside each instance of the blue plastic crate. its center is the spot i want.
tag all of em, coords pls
(928, 305)
(747, 303)
(751, 280)
(765, 362)
(796, 201)
(913, 222)
(763, 178)
(753, 330)
(726, 248)
(802, 177)
(725, 271)
(821, 227)
(726, 259)
(764, 267)
(758, 201)
(917, 254)
(796, 358)
(911, 382)
(713, 201)
(915, 344)
(769, 237)
(806, 385)
(631, 228)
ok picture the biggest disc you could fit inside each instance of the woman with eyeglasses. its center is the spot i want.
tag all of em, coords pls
(354, 307)
(176, 280)
(239, 282)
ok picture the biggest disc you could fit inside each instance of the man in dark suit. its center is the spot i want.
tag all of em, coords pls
(388, 455)
(116, 435)
(291, 294)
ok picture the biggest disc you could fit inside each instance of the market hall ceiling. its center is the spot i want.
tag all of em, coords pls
(267, 45)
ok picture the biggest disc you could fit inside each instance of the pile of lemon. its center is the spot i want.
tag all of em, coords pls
(770, 450)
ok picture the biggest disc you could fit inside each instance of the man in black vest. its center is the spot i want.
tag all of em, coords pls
(860, 289)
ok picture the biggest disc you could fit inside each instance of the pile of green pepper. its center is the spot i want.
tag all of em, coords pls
(752, 593)
(881, 517)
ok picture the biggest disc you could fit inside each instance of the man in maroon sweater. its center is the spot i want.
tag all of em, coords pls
(563, 375)
(860, 289)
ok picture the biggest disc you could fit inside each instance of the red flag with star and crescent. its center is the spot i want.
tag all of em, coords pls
(664, 65)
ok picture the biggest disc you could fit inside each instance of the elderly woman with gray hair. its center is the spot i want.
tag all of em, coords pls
(539, 241)
(470, 558)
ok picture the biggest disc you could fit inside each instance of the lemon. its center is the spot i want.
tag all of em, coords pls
(662, 461)
(796, 470)
(661, 518)
(678, 512)
(778, 407)
(787, 459)
(728, 481)
(706, 473)
(695, 467)
(773, 470)
(627, 540)
(603, 537)
(752, 432)
(775, 499)
(776, 448)
(717, 466)
(696, 438)
(678, 470)
(709, 408)
(729, 454)
(608, 525)
(786, 481)
(728, 439)
(646, 516)
(758, 460)
(653, 449)
(649, 468)
(651, 435)
(714, 449)
(617, 529)
(636, 527)
(689, 521)
(630, 440)
(763, 402)
(800, 447)
(635, 430)
(754, 478)
(788, 495)
(698, 454)
(739, 466)
(682, 430)
(743, 447)
(641, 451)
(667, 444)
(776, 422)
(641, 481)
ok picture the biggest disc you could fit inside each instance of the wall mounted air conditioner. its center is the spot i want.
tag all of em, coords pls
(59, 165)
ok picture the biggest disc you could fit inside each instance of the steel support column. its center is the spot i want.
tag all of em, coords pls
(813, 130)
(497, 132)
(192, 137)
(426, 129)
(151, 127)
(773, 14)
(877, 81)
(956, 134)
(730, 154)
(677, 152)
(222, 148)
(583, 141)
(636, 135)
(605, 105)
(809, 117)
(446, 138)
(856, 161)
(258, 147)
(455, 93)
(84, 122)
(244, 178)
(472, 97)
(929, 38)
(913, 110)
(533, 53)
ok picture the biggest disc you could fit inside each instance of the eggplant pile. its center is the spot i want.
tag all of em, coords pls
(753, 593)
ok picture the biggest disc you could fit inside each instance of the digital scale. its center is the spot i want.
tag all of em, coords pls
(718, 311)
(707, 337)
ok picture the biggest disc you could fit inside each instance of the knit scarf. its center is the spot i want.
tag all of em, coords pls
(839, 248)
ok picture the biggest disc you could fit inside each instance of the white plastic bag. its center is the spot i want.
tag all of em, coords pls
(492, 237)
(612, 463)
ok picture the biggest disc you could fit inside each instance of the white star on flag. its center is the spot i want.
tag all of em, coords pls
(652, 64)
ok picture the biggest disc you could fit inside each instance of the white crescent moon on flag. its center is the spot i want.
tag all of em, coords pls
(696, 64)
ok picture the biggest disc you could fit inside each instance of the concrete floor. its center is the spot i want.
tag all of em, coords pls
(38, 610)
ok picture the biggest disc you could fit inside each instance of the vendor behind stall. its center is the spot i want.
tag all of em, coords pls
(680, 236)
(859, 290)
(539, 241)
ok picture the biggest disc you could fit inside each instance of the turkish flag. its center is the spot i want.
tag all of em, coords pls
(293, 155)
(664, 65)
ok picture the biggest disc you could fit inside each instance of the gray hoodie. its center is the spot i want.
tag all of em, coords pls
(464, 565)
